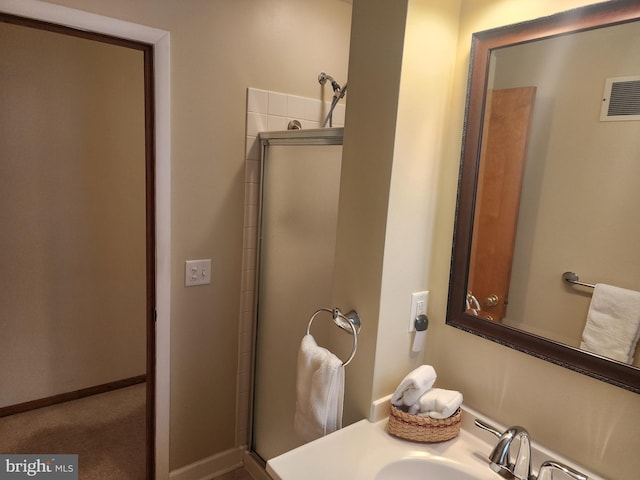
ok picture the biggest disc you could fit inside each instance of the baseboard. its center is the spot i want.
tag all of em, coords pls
(255, 467)
(210, 467)
(68, 396)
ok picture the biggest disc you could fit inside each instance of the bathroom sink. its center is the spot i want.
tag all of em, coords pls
(424, 469)
(365, 451)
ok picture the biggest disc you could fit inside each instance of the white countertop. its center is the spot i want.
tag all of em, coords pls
(361, 450)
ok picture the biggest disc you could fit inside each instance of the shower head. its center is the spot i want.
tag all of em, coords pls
(338, 93)
(322, 79)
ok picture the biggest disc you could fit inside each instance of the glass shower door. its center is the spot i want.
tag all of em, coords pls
(296, 258)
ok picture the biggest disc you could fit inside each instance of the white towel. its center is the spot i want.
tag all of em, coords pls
(319, 389)
(413, 386)
(613, 323)
(437, 403)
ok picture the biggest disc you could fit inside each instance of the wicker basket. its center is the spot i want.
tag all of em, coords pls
(423, 429)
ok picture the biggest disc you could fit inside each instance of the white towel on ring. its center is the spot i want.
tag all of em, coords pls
(319, 391)
(613, 323)
(413, 386)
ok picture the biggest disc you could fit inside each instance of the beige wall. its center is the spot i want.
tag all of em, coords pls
(588, 421)
(218, 49)
(393, 142)
(425, 90)
(374, 80)
(72, 209)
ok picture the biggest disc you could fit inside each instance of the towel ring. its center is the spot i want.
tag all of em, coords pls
(350, 323)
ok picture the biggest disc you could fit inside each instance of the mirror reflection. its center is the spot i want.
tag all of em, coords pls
(549, 192)
(558, 187)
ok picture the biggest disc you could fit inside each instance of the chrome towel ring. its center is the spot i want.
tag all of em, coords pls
(350, 323)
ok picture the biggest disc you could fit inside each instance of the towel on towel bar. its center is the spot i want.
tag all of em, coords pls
(319, 391)
(413, 386)
(613, 323)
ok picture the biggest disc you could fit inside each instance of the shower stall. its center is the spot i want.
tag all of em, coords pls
(300, 184)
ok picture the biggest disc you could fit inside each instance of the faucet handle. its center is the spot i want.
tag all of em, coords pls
(548, 467)
(488, 428)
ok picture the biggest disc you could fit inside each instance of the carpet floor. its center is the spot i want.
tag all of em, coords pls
(106, 431)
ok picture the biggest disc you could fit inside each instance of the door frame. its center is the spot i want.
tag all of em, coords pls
(160, 42)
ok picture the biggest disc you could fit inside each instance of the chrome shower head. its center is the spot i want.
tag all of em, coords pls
(338, 93)
(322, 79)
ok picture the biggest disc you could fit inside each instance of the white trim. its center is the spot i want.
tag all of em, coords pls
(160, 40)
(210, 467)
(162, 79)
(81, 20)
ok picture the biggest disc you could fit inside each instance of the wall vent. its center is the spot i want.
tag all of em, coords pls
(621, 99)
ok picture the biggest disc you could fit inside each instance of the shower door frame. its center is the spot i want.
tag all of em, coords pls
(310, 137)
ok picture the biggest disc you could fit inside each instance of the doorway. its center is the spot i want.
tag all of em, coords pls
(76, 228)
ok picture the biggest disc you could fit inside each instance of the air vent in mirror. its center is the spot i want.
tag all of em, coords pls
(621, 99)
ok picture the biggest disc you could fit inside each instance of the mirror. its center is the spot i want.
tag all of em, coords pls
(548, 184)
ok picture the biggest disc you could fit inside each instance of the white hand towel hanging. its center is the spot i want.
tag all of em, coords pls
(319, 389)
(613, 323)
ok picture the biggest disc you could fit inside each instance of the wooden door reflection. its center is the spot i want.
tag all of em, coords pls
(502, 159)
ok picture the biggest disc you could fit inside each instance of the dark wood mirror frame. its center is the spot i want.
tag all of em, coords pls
(581, 19)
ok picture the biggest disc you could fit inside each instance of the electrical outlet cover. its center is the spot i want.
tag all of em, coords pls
(419, 302)
(197, 272)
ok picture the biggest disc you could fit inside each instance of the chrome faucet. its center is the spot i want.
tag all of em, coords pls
(501, 462)
(548, 467)
(500, 457)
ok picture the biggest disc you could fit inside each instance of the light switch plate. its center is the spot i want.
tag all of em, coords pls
(197, 272)
(419, 302)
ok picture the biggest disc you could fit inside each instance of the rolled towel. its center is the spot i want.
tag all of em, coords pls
(413, 386)
(437, 403)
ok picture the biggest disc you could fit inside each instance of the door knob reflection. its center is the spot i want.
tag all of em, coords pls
(492, 300)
